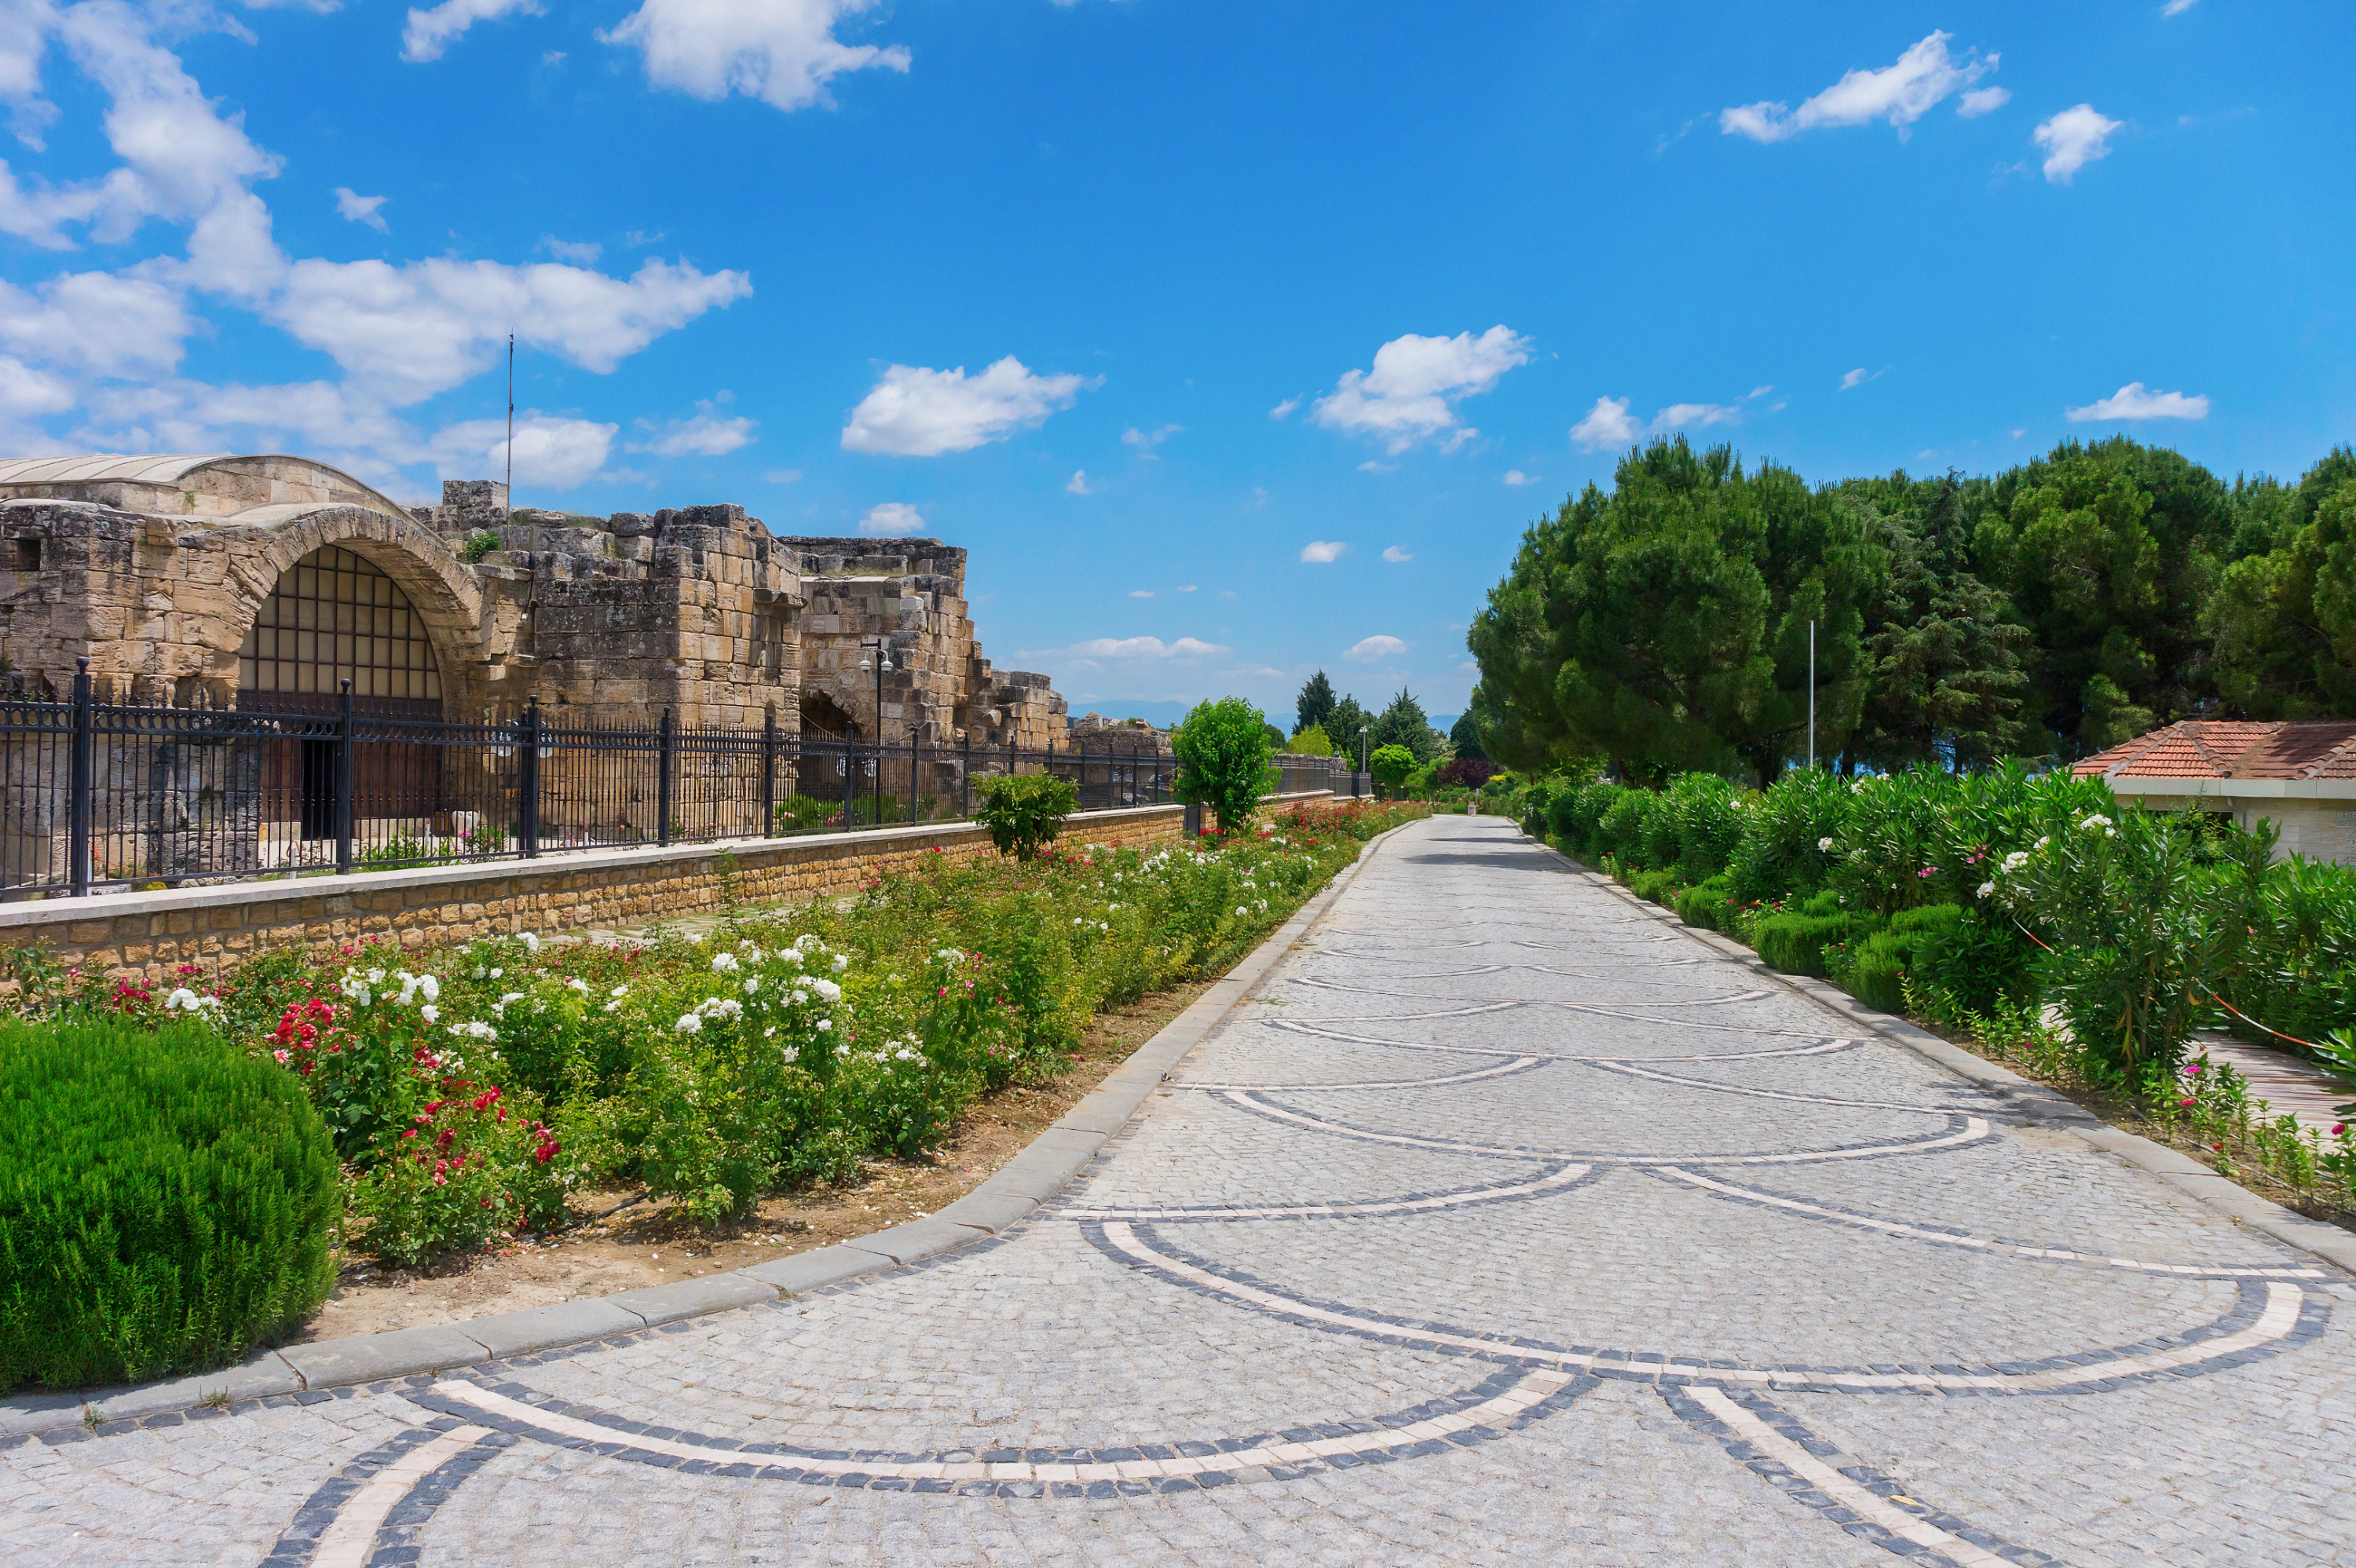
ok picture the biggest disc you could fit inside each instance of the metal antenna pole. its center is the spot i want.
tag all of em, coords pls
(1812, 697)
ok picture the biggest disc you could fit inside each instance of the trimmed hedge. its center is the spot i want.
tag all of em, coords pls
(167, 1202)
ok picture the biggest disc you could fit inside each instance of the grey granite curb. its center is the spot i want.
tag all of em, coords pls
(1041, 1171)
(2024, 1097)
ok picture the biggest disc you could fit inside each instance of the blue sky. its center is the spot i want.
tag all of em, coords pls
(1234, 340)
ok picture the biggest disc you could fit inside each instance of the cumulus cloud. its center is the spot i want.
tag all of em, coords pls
(1982, 100)
(1078, 484)
(1696, 416)
(1923, 78)
(100, 323)
(2134, 402)
(918, 413)
(1606, 425)
(429, 32)
(28, 393)
(1284, 409)
(1516, 476)
(2071, 140)
(891, 519)
(1320, 551)
(783, 52)
(1411, 391)
(707, 434)
(1145, 441)
(358, 209)
(1374, 649)
(1142, 648)
(1394, 554)
(551, 453)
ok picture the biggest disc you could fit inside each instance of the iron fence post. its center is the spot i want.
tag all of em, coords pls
(78, 784)
(769, 775)
(528, 780)
(664, 742)
(344, 778)
(915, 766)
(965, 777)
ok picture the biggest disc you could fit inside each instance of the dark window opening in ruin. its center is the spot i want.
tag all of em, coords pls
(822, 718)
(318, 789)
(769, 642)
(28, 555)
(334, 617)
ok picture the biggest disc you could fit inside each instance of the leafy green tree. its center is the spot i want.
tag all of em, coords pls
(1024, 812)
(1944, 681)
(1311, 741)
(1465, 736)
(1341, 727)
(1223, 751)
(1403, 724)
(1315, 704)
(1665, 625)
(1391, 765)
(2110, 553)
(2282, 617)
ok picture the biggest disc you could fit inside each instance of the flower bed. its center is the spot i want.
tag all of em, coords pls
(469, 1090)
(2033, 916)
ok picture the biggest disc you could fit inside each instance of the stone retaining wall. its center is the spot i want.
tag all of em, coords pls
(147, 935)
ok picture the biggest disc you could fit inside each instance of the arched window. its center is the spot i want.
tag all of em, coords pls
(333, 617)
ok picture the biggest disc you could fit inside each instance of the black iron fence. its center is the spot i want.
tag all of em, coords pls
(98, 796)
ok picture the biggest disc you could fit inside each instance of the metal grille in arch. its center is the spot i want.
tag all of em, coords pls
(334, 616)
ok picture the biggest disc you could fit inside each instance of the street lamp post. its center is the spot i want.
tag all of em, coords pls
(879, 664)
(1362, 755)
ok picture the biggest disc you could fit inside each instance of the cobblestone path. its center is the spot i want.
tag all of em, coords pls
(1506, 1224)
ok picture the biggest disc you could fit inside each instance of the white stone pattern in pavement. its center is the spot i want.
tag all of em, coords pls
(1503, 1225)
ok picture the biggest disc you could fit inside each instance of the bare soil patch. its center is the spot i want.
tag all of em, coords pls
(623, 1241)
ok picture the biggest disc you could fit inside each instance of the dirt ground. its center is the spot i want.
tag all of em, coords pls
(635, 1242)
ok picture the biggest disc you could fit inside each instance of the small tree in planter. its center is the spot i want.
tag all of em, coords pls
(1024, 812)
(1223, 752)
(1391, 766)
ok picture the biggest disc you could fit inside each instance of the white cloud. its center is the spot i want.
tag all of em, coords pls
(1142, 648)
(2132, 401)
(99, 323)
(552, 452)
(1394, 554)
(2071, 140)
(2177, 7)
(1183, 588)
(1411, 391)
(918, 413)
(1606, 425)
(783, 52)
(1078, 484)
(1900, 94)
(1982, 100)
(1372, 466)
(1855, 378)
(1516, 476)
(581, 253)
(1284, 409)
(1374, 649)
(1696, 416)
(1322, 550)
(706, 435)
(1141, 593)
(320, 418)
(1146, 441)
(27, 393)
(429, 32)
(783, 477)
(891, 520)
(410, 331)
(358, 208)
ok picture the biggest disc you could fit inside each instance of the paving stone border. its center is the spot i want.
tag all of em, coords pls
(2025, 1098)
(328, 1367)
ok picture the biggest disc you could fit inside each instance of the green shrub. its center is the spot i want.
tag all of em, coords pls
(1708, 815)
(479, 544)
(1970, 964)
(167, 1202)
(1624, 829)
(1223, 752)
(1392, 767)
(1796, 942)
(1024, 812)
(1707, 904)
(1660, 887)
(1875, 967)
(1791, 838)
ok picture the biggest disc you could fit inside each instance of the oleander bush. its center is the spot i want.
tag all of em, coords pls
(167, 1201)
(1025, 812)
(467, 1090)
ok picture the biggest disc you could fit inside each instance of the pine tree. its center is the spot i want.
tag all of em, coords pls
(1317, 703)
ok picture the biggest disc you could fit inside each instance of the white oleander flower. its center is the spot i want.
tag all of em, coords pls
(826, 1023)
(2097, 823)
(578, 984)
(510, 997)
(1825, 843)
(751, 985)
(531, 943)
(689, 1023)
(183, 997)
(827, 989)
(723, 962)
(619, 991)
(496, 973)
(2042, 842)
(430, 1013)
(723, 1008)
(356, 989)
(430, 986)
(841, 963)
(2016, 861)
(1240, 910)
(1987, 888)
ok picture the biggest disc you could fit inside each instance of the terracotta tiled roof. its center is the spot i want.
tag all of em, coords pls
(2220, 748)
